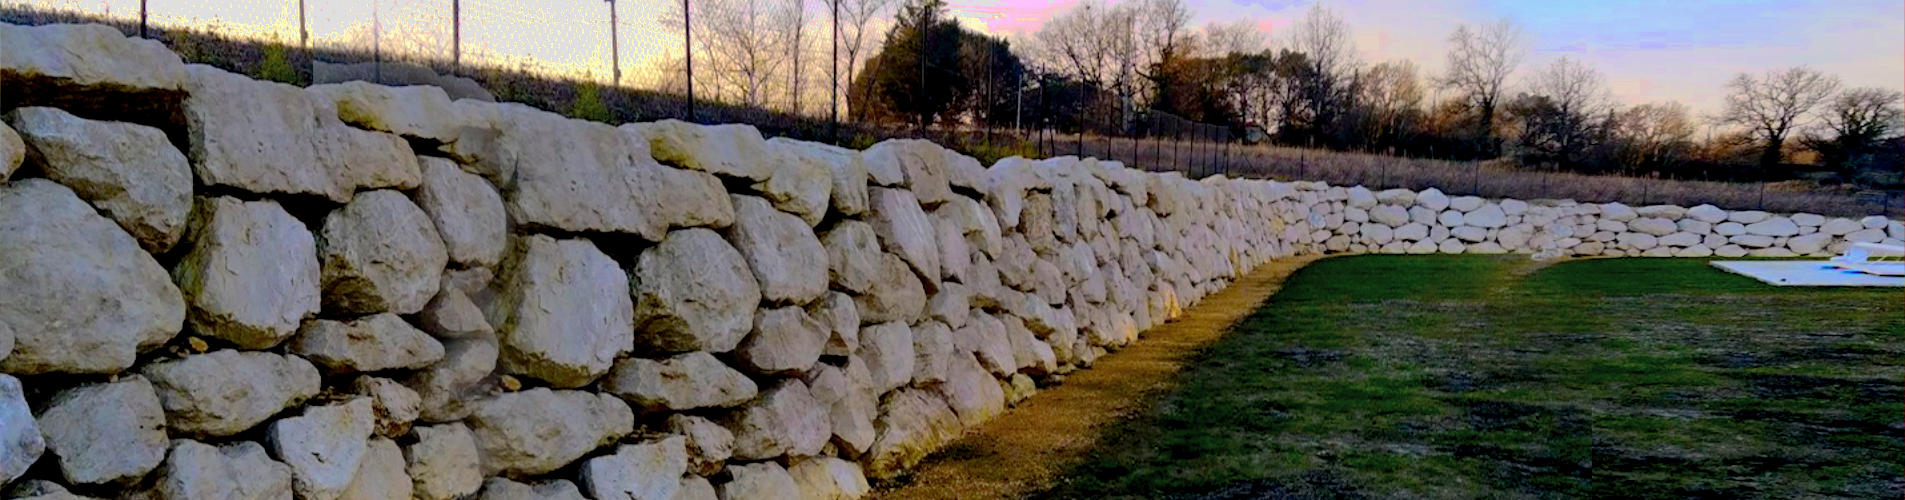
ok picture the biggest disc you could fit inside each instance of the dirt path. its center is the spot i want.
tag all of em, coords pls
(1021, 451)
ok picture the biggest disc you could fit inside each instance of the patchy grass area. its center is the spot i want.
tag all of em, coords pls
(1493, 377)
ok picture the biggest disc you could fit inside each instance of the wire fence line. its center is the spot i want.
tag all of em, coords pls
(640, 67)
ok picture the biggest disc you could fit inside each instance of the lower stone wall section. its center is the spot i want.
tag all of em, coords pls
(357, 291)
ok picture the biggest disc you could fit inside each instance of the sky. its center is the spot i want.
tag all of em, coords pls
(1648, 50)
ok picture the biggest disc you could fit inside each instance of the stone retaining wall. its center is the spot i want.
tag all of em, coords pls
(357, 291)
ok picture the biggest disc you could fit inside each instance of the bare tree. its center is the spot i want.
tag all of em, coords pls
(1866, 113)
(794, 26)
(856, 31)
(1480, 60)
(1393, 94)
(1772, 105)
(1577, 93)
(1240, 37)
(1658, 134)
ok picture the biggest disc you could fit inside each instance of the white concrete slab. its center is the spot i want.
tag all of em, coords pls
(1805, 273)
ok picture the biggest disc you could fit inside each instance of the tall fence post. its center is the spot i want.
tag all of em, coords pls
(376, 43)
(833, 69)
(456, 36)
(615, 46)
(142, 19)
(688, 54)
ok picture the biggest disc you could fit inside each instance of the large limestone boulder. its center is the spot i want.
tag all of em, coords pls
(1707, 213)
(565, 313)
(912, 424)
(497, 488)
(786, 420)
(1653, 226)
(380, 253)
(89, 66)
(444, 463)
(1432, 199)
(452, 315)
(380, 475)
(905, 230)
(393, 406)
(373, 343)
(640, 471)
(12, 151)
(419, 111)
(786, 340)
(324, 446)
(684, 382)
(467, 212)
(251, 273)
(829, 478)
(921, 164)
(237, 471)
(895, 295)
(20, 440)
(447, 386)
(842, 319)
(887, 349)
(761, 480)
(538, 430)
(272, 138)
(224, 392)
(579, 176)
(693, 292)
(708, 443)
(787, 259)
(79, 295)
(933, 350)
(731, 150)
(1774, 226)
(110, 432)
(972, 393)
(803, 178)
(130, 172)
(853, 254)
(1389, 215)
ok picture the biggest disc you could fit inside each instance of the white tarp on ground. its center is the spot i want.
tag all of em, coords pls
(1805, 273)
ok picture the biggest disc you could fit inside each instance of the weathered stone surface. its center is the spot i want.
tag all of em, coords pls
(258, 137)
(20, 441)
(1653, 226)
(12, 151)
(708, 443)
(932, 351)
(36, 489)
(905, 230)
(1747, 216)
(887, 349)
(251, 275)
(79, 295)
(448, 386)
(444, 463)
(695, 488)
(323, 447)
(89, 59)
(761, 480)
(971, 392)
(238, 471)
(852, 413)
(1707, 213)
(684, 382)
(646, 470)
(1432, 199)
(581, 176)
(497, 488)
(912, 423)
(131, 172)
(920, 163)
(451, 315)
(1809, 244)
(896, 295)
(380, 475)
(786, 258)
(380, 254)
(565, 312)
(853, 252)
(105, 433)
(1774, 226)
(1465, 203)
(224, 392)
(1389, 215)
(786, 420)
(539, 430)
(985, 337)
(693, 292)
(731, 150)
(362, 159)
(803, 179)
(785, 341)
(372, 343)
(420, 111)
(393, 406)
(842, 319)
(466, 212)
(828, 478)
(1840, 227)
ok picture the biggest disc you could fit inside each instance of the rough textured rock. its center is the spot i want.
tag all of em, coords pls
(380, 475)
(787, 259)
(896, 295)
(447, 387)
(452, 315)
(803, 179)
(444, 463)
(786, 420)
(380, 253)
(693, 292)
(131, 172)
(79, 295)
(972, 392)
(420, 111)
(224, 392)
(539, 430)
(761, 480)
(651, 469)
(912, 423)
(785, 341)
(42, 490)
(323, 447)
(905, 230)
(251, 275)
(708, 443)
(920, 163)
(932, 351)
(238, 471)
(684, 382)
(565, 312)
(272, 138)
(829, 478)
(731, 150)
(12, 151)
(467, 212)
(373, 343)
(842, 319)
(853, 254)
(497, 488)
(579, 176)
(393, 406)
(20, 441)
(887, 349)
(105, 433)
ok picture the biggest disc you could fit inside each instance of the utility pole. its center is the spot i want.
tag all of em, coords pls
(456, 35)
(615, 45)
(688, 53)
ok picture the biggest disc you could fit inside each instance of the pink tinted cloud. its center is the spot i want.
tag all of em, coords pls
(1021, 17)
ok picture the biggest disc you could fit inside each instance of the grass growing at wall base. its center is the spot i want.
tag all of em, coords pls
(1493, 377)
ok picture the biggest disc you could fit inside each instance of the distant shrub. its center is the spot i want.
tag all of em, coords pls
(588, 104)
(276, 66)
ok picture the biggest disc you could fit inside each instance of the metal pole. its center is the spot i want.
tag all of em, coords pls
(304, 35)
(615, 46)
(376, 44)
(688, 53)
(833, 113)
(456, 35)
(142, 18)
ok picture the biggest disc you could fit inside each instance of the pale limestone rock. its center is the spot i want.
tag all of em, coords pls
(921, 164)
(224, 392)
(467, 212)
(565, 312)
(803, 179)
(1748, 216)
(1773, 226)
(110, 432)
(380, 253)
(693, 292)
(1809, 244)
(1488, 216)
(380, 475)
(238, 471)
(785, 341)
(684, 382)
(497, 488)
(1360, 197)
(1432, 199)
(444, 463)
(905, 230)
(887, 349)
(20, 440)
(1729, 229)
(1860, 236)
(1389, 215)
(951, 305)
(933, 350)
(1874, 222)
(393, 406)
(42, 490)
(912, 424)
(130, 172)
(1465, 203)
(787, 260)
(1680, 240)
(452, 315)
(758, 480)
(971, 392)
(708, 444)
(640, 471)
(1809, 220)
(578, 176)
(1707, 213)
(12, 151)
(1840, 227)
(78, 294)
(254, 136)
(786, 420)
(251, 275)
(1653, 226)
(842, 319)
(448, 386)
(372, 343)
(538, 430)
(1695, 251)
(731, 150)
(419, 111)
(828, 478)
(854, 254)
(895, 295)
(1638, 241)
(323, 447)
(695, 488)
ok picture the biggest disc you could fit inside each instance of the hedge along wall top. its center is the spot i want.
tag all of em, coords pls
(358, 291)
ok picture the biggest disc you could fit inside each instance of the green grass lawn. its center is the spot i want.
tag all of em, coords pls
(1495, 377)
